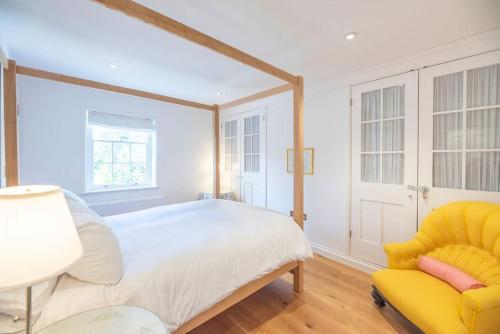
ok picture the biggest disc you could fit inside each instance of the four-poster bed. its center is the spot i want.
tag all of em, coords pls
(294, 83)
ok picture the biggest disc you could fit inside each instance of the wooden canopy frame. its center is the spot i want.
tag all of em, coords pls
(294, 83)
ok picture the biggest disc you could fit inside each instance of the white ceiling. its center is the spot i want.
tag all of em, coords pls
(80, 38)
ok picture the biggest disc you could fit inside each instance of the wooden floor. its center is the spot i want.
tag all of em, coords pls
(336, 299)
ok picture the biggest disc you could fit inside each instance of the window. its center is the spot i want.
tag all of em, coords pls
(120, 152)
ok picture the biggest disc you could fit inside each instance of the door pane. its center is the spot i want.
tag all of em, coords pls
(483, 86)
(394, 102)
(370, 137)
(255, 124)
(448, 92)
(448, 131)
(393, 168)
(248, 126)
(483, 129)
(483, 171)
(447, 170)
(393, 137)
(370, 105)
(370, 165)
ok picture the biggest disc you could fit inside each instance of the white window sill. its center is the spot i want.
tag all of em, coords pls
(114, 190)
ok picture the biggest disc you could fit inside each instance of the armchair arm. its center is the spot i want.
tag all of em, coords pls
(404, 255)
(480, 310)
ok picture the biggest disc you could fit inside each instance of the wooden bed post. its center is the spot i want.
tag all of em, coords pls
(298, 171)
(10, 123)
(215, 121)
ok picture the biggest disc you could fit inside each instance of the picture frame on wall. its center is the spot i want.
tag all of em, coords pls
(308, 160)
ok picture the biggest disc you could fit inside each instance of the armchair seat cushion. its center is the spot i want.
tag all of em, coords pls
(429, 303)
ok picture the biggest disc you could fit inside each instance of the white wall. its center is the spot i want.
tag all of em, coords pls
(52, 143)
(327, 130)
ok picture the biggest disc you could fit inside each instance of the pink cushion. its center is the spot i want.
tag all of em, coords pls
(451, 275)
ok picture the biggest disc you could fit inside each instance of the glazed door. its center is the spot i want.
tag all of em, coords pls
(459, 137)
(384, 164)
(230, 154)
(253, 158)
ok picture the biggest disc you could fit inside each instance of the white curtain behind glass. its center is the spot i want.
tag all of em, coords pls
(482, 122)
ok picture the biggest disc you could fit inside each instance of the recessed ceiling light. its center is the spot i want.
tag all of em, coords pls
(113, 66)
(218, 94)
(351, 35)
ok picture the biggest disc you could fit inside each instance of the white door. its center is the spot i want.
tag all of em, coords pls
(384, 163)
(230, 153)
(459, 137)
(253, 158)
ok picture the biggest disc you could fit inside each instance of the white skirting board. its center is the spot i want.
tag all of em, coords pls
(345, 259)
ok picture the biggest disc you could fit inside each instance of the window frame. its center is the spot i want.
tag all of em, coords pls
(89, 159)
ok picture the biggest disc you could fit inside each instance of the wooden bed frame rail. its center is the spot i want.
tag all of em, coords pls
(294, 83)
(236, 297)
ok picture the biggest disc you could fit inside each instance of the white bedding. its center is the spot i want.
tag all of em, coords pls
(182, 259)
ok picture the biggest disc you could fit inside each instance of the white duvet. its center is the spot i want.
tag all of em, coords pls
(182, 259)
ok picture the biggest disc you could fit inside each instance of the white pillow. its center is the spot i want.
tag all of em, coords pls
(102, 261)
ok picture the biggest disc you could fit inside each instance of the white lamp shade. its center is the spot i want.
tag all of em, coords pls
(38, 238)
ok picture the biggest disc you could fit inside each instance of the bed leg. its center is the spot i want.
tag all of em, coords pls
(298, 277)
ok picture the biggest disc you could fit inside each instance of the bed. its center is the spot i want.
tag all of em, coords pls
(184, 261)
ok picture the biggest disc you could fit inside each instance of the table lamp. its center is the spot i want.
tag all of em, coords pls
(38, 238)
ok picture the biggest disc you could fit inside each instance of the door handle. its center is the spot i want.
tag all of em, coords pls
(423, 189)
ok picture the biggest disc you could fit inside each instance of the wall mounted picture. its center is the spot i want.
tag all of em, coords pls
(308, 160)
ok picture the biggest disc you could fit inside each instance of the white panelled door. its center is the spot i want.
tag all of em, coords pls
(384, 163)
(459, 138)
(243, 153)
(230, 153)
(253, 158)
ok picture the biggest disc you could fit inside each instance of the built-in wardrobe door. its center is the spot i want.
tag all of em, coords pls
(230, 153)
(459, 132)
(384, 164)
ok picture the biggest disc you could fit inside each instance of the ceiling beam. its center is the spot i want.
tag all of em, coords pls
(161, 21)
(258, 96)
(99, 85)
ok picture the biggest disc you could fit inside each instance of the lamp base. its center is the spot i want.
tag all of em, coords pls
(28, 310)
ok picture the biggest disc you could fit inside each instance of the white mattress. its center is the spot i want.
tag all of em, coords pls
(182, 259)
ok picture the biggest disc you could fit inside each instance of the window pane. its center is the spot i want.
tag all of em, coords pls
(248, 126)
(393, 168)
(255, 144)
(483, 86)
(234, 162)
(448, 131)
(370, 105)
(121, 174)
(448, 92)
(370, 137)
(131, 136)
(138, 173)
(121, 152)
(483, 128)
(394, 101)
(102, 174)
(234, 129)
(256, 163)
(255, 124)
(483, 171)
(248, 163)
(370, 167)
(248, 144)
(234, 145)
(447, 170)
(138, 153)
(393, 135)
(227, 129)
(102, 152)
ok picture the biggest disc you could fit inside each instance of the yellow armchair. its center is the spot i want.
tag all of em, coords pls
(465, 235)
